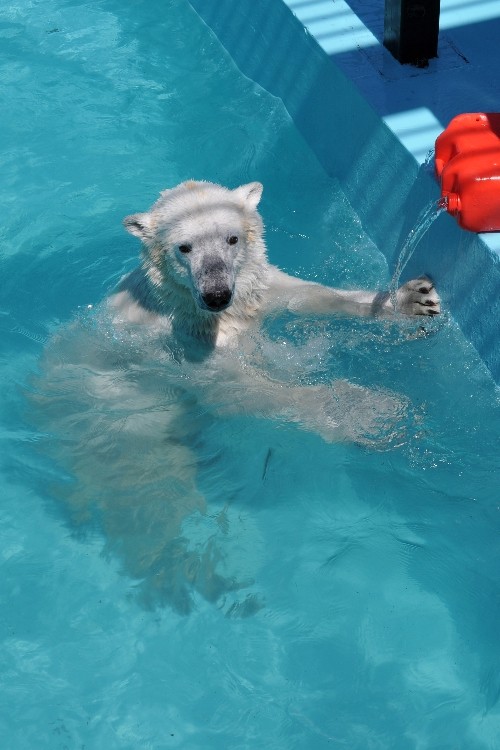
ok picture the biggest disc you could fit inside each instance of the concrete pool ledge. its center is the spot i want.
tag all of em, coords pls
(369, 123)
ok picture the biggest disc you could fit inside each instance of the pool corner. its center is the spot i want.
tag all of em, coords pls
(375, 156)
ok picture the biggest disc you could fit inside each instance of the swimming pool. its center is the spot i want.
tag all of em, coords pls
(368, 608)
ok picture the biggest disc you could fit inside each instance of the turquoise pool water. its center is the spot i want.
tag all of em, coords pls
(368, 601)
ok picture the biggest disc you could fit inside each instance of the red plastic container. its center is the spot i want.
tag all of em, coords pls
(467, 163)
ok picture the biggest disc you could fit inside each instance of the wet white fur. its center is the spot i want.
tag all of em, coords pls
(166, 289)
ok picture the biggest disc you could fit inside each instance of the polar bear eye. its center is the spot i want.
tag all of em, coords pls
(232, 240)
(185, 248)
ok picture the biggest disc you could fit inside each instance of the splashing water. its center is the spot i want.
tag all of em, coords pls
(428, 164)
(425, 220)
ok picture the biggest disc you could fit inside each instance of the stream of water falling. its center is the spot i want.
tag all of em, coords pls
(425, 220)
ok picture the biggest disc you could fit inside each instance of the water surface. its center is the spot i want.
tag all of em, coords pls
(367, 607)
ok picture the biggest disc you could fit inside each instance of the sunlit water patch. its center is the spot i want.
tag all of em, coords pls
(249, 583)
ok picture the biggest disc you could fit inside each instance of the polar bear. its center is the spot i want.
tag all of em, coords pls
(123, 395)
(205, 280)
(205, 273)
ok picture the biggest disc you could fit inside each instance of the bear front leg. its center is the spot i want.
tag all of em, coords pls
(416, 297)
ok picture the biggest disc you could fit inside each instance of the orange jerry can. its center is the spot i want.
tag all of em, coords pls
(467, 162)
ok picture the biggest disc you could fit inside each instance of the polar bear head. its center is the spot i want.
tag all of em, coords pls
(203, 239)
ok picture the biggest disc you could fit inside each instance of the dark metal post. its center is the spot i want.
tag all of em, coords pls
(411, 30)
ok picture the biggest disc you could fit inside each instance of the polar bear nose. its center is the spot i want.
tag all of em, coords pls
(218, 299)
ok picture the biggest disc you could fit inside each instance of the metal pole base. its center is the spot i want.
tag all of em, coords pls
(411, 30)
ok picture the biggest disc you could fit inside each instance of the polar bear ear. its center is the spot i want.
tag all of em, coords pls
(250, 193)
(139, 225)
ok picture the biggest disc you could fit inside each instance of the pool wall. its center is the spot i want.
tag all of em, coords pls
(380, 177)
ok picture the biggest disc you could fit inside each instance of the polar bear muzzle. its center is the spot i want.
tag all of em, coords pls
(215, 283)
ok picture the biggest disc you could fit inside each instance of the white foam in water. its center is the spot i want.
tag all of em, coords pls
(246, 584)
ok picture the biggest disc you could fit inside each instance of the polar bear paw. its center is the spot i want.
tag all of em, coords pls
(418, 297)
